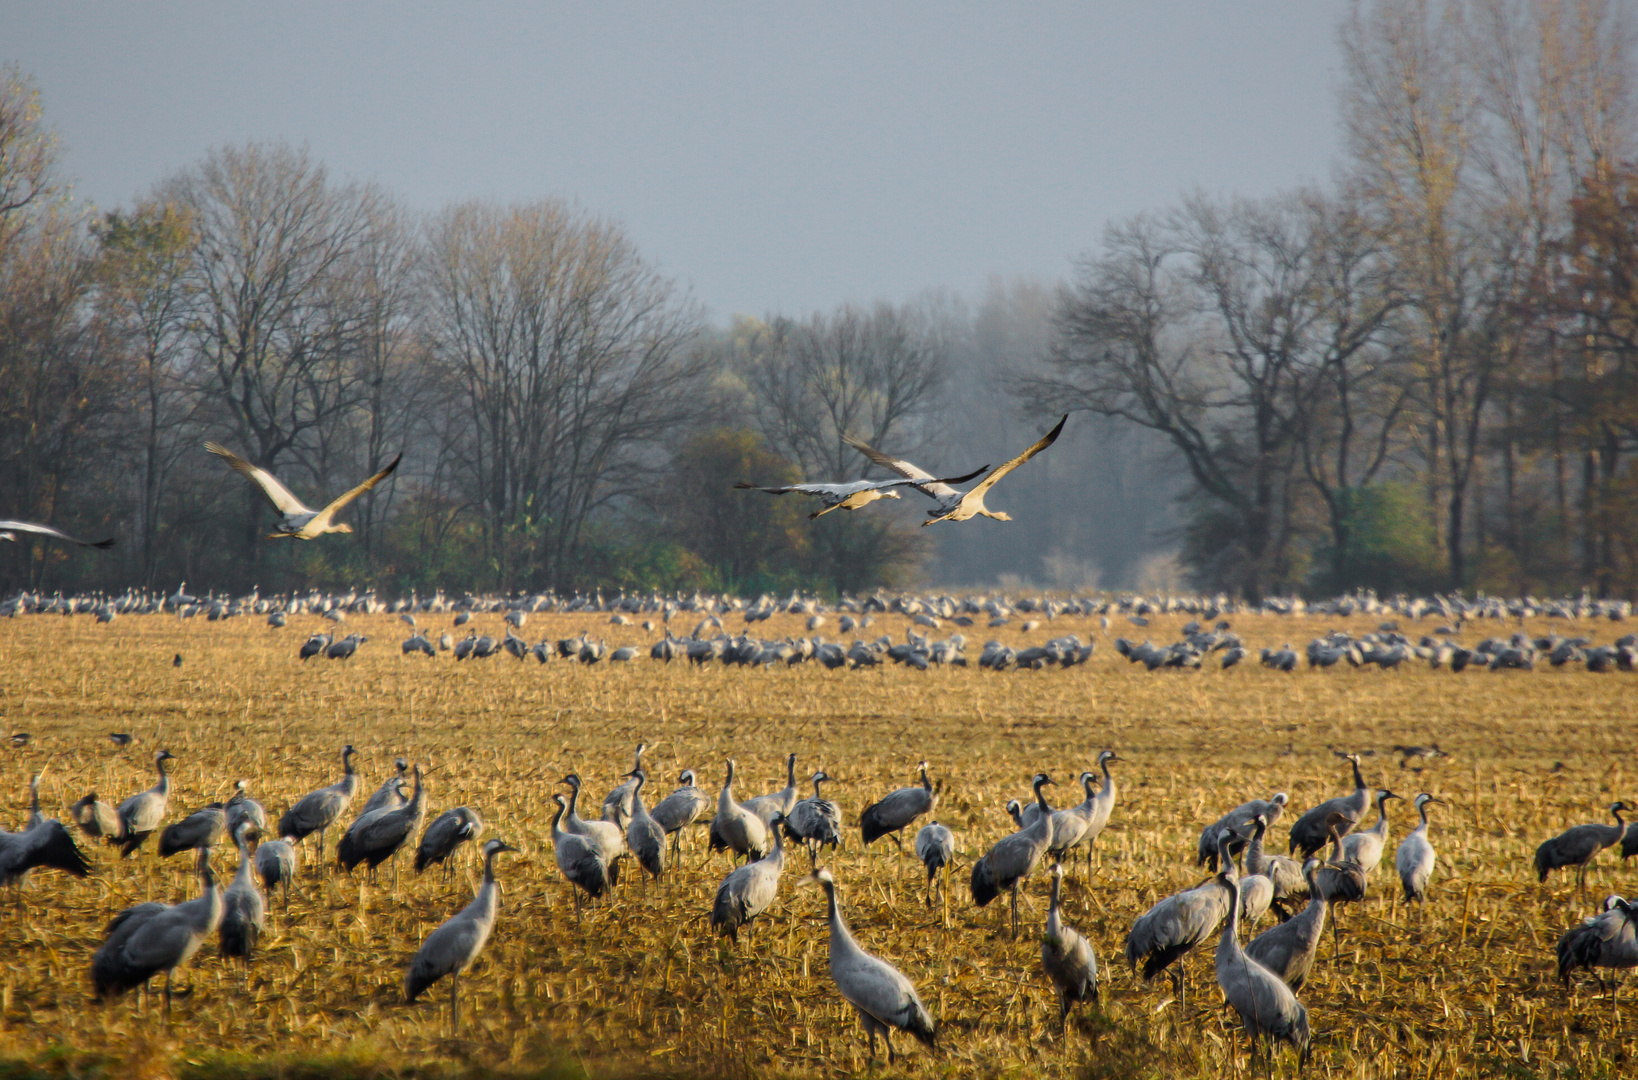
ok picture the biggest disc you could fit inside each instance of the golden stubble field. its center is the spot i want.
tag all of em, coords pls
(1465, 988)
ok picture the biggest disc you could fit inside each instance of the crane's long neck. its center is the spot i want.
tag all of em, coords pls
(790, 770)
(574, 801)
(1108, 778)
(557, 819)
(242, 878)
(1359, 778)
(1423, 811)
(927, 785)
(489, 871)
(418, 796)
(1054, 925)
(841, 938)
(817, 780)
(1231, 928)
(1040, 799)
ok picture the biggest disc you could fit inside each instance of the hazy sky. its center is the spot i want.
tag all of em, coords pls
(773, 157)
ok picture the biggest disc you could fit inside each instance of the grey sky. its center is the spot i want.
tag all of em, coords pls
(772, 157)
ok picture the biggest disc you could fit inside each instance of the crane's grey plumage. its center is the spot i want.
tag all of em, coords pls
(150, 938)
(276, 863)
(141, 814)
(897, 810)
(448, 831)
(681, 808)
(749, 890)
(1071, 823)
(609, 838)
(644, 836)
(1414, 860)
(318, 810)
(296, 521)
(1269, 809)
(202, 828)
(935, 847)
(451, 949)
(1175, 925)
(778, 802)
(878, 991)
(43, 843)
(1266, 1005)
(735, 827)
(579, 860)
(956, 505)
(1289, 949)
(1365, 846)
(1105, 801)
(244, 909)
(1283, 873)
(1014, 857)
(242, 808)
(96, 818)
(1606, 940)
(1578, 846)
(816, 822)
(851, 495)
(1067, 957)
(377, 836)
(617, 803)
(390, 795)
(1310, 832)
(10, 527)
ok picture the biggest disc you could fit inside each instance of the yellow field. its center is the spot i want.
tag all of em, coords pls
(1465, 988)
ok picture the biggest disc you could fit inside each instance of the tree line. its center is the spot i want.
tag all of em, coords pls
(1417, 376)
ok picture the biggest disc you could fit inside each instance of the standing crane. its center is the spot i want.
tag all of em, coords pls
(735, 827)
(1606, 940)
(1578, 846)
(244, 909)
(644, 836)
(1289, 948)
(1266, 1005)
(878, 991)
(276, 862)
(779, 802)
(1171, 928)
(935, 847)
(1067, 957)
(680, 809)
(44, 842)
(609, 837)
(318, 810)
(579, 860)
(448, 831)
(377, 836)
(141, 814)
(1414, 859)
(1269, 809)
(749, 890)
(1283, 872)
(452, 948)
(390, 795)
(150, 938)
(617, 803)
(1364, 846)
(1310, 832)
(815, 822)
(897, 810)
(1013, 857)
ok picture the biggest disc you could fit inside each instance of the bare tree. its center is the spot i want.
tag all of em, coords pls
(571, 357)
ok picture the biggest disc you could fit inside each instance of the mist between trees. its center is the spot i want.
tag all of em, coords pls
(1423, 375)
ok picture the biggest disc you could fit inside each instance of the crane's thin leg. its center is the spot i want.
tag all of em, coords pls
(887, 1037)
(897, 840)
(1015, 909)
(454, 1004)
(167, 997)
(944, 892)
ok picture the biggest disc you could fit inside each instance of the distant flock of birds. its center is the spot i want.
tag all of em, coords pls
(1260, 979)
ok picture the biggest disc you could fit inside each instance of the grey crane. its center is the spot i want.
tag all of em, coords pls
(10, 527)
(735, 827)
(452, 948)
(617, 803)
(779, 802)
(609, 837)
(1171, 928)
(1256, 894)
(1267, 1006)
(310, 648)
(1578, 846)
(749, 890)
(1340, 879)
(1310, 832)
(1071, 823)
(244, 909)
(1067, 957)
(241, 807)
(377, 836)
(1606, 940)
(318, 810)
(851, 495)
(96, 818)
(202, 828)
(141, 814)
(579, 860)
(1288, 949)
(390, 795)
(1013, 858)
(1414, 859)
(150, 938)
(1284, 873)
(644, 836)
(956, 505)
(816, 822)
(43, 843)
(1107, 794)
(897, 810)
(935, 847)
(1365, 846)
(276, 863)
(448, 831)
(878, 991)
(1269, 809)
(296, 521)
(681, 808)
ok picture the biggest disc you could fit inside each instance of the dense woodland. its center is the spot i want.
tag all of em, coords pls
(1420, 375)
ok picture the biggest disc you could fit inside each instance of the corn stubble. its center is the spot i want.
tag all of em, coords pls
(1466, 987)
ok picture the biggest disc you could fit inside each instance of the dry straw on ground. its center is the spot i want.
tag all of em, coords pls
(1464, 988)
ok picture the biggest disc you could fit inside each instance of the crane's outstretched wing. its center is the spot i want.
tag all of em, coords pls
(920, 479)
(852, 487)
(277, 493)
(46, 530)
(342, 500)
(1045, 441)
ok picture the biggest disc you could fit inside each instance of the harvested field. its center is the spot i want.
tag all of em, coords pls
(1466, 987)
